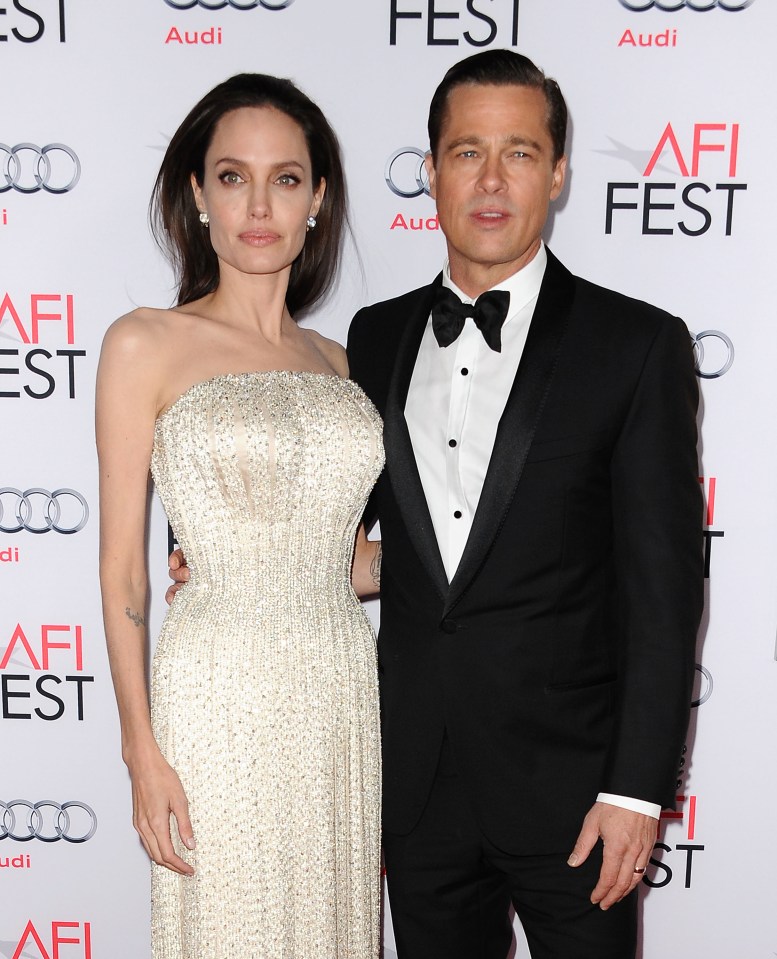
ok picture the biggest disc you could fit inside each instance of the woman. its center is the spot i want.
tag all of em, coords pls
(255, 774)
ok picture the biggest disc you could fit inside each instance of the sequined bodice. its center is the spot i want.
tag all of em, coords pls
(264, 475)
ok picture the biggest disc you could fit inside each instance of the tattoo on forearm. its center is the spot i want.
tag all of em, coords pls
(136, 618)
(375, 564)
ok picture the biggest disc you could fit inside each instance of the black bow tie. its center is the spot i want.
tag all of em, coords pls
(488, 312)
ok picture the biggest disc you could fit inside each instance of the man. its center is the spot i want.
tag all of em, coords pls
(542, 571)
(542, 576)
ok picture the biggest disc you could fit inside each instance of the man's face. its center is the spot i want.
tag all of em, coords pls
(493, 177)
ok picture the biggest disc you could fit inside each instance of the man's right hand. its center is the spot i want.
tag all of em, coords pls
(179, 573)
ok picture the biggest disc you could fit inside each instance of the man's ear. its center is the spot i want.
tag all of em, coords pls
(559, 175)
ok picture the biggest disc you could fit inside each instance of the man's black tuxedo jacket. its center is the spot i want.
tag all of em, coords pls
(560, 658)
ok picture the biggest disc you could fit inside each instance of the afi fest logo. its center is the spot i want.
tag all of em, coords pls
(709, 485)
(29, 168)
(677, 860)
(31, 663)
(478, 23)
(46, 938)
(701, 6)
(684, 814)
(704, 156)
(29, 321)
(27, 21)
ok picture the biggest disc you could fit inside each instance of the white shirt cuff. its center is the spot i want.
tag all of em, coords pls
(635, 805)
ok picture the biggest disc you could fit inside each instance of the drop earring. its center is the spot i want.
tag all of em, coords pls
(204, 219)
(311, 222)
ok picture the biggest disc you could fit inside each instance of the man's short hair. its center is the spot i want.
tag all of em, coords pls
(500, 68)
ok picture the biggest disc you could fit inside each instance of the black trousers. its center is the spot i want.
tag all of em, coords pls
(450, 890)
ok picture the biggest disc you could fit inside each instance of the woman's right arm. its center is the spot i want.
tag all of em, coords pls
(128, 388)
(365, 572)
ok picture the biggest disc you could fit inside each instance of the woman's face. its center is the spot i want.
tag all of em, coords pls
(257, 190)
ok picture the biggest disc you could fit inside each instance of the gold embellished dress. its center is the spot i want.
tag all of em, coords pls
(264, 681)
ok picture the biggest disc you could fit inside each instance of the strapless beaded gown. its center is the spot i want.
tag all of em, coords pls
(264, 681)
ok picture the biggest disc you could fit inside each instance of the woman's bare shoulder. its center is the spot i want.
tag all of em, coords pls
(333, 352)
(143, 328)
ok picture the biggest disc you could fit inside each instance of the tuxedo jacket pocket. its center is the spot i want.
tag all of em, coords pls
(569, 446)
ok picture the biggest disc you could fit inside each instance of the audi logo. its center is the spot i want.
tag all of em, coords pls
(47, 821)
(638, 6)
(39, 511)
(721, 359)
(705, 688)
(235, 4)
(28, 168)
(407, 178)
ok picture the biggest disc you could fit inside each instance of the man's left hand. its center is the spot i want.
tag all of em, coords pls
(628, 839)
(178, 572)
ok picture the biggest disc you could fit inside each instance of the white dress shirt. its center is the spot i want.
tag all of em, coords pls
(454, 403)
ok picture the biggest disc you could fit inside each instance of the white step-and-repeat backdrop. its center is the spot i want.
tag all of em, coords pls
(670, 198)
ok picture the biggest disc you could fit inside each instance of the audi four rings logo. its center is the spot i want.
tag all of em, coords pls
(705, 687)
(720, 360)
(407, 178)
(28, 168)
(670, 5)
(47, 821)
(38, 511)
(235, 4)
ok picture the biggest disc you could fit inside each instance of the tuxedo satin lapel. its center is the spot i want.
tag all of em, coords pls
(400, 462)
(518, 422)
